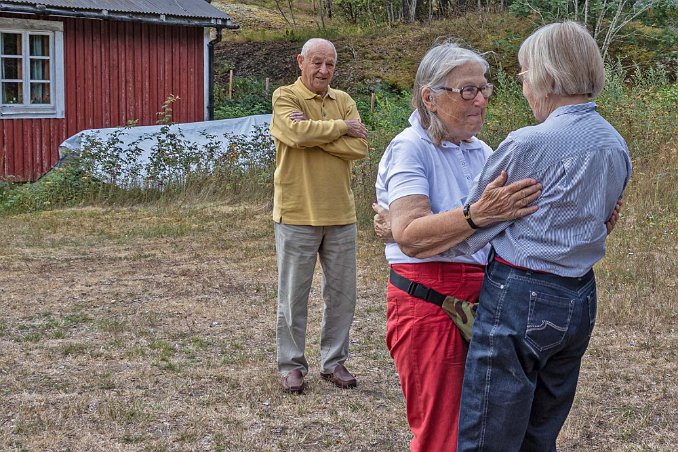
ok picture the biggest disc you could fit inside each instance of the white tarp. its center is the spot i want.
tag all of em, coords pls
(192, 131)
(205, 137)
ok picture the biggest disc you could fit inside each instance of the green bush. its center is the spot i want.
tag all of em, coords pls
(249, 97)
(176, 167)
(110, 160)
(62, 187)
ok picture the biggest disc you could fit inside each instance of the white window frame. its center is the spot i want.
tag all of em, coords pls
(55, 31)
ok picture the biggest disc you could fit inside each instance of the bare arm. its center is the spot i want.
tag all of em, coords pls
(421, 234)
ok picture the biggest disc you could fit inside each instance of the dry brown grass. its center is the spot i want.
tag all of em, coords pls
(152, 328)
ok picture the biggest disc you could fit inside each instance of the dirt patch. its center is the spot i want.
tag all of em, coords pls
(275, 59)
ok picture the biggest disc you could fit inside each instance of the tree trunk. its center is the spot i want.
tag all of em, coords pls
(444, 7)
(328, 8)
(421, 10)
(408, 7)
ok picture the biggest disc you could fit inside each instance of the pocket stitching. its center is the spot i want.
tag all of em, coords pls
(530, 328)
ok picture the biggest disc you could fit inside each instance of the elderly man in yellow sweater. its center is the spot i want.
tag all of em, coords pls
(318, 133)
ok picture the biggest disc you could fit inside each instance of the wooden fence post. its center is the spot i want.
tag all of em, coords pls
(267, 82)
(230, 84)
(372, 102)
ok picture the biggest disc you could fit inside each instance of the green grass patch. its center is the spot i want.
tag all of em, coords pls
(74, 350)
(111, 325)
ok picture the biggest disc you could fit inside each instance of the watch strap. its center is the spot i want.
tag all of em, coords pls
(467, 216)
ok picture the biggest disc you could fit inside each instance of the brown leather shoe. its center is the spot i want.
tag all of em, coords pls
(293, 382)
(341, 377)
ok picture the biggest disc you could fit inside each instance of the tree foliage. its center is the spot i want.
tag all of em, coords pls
(604, 18)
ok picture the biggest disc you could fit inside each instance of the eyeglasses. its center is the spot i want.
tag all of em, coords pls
(520, 77)
(470, 92)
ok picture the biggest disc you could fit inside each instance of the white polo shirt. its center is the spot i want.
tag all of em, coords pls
(413, 165)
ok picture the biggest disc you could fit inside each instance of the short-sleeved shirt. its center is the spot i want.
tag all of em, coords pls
(414, 165)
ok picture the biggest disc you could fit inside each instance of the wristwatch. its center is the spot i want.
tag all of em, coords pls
(467, 216)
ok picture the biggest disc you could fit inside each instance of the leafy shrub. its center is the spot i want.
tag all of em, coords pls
(108, 171)
(110, 160)
(248, 163)
(172, 158)
(249, 98)
(391, 109)
(62, 187)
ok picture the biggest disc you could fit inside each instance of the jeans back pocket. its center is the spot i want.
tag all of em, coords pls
(548, 320)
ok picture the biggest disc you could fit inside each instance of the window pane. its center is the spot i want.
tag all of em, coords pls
(39, 45)
(40, 93)
(11, 44)
(11, 68)
(39, 69)
(12, 93)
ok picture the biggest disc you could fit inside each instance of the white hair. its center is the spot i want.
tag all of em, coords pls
(562, 59)
(433, 70)
(314, 42)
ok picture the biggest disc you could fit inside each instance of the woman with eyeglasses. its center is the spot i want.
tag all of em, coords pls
(424, 179)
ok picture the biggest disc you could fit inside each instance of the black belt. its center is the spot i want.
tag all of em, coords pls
(415, 289)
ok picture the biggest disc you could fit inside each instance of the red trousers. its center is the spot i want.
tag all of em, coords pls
(429, 352)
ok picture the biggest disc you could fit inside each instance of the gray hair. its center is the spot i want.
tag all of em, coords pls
(562, 59)
(314, 42)
(434, 68)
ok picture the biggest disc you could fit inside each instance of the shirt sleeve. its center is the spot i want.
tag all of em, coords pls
(301, 134)
(500, 160)
(347, 147)
(405, 171)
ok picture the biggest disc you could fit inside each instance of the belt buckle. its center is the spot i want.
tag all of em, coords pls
(412, 288)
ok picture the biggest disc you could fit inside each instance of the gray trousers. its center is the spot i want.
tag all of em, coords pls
(297, 248)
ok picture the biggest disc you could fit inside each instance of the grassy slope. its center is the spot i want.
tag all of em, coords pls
(373, 55)
(266, 45)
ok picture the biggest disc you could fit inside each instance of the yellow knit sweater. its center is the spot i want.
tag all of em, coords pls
(312, 181)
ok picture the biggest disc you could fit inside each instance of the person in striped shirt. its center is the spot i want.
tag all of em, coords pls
(537, 305)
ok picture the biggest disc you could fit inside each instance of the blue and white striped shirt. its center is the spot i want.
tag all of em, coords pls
(584, 165)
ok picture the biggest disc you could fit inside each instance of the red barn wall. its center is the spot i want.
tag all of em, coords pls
(114, 72)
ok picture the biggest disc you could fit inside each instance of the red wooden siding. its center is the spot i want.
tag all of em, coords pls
(114, 72)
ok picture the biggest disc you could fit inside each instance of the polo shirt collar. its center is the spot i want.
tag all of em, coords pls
(415, 122)
(308, 94)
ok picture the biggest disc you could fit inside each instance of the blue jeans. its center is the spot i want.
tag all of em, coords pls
(522, 367)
